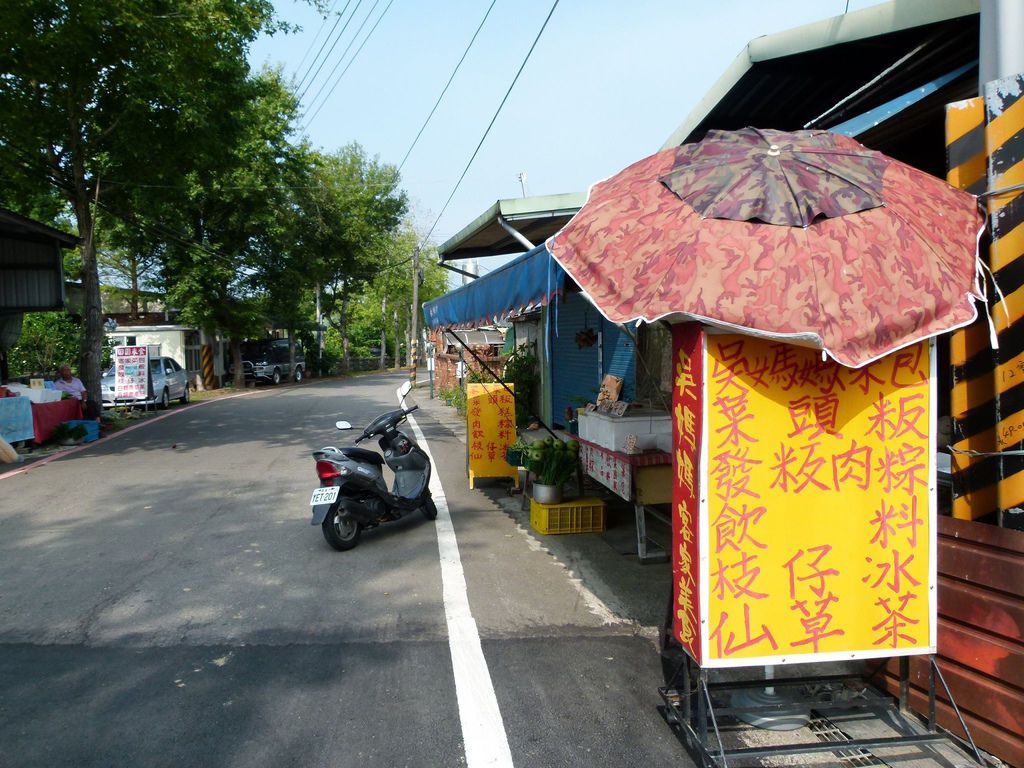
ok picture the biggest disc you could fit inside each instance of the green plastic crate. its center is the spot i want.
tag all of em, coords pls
(584, 515)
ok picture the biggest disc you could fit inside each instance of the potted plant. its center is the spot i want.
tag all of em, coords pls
(66, 434)
(552, 463)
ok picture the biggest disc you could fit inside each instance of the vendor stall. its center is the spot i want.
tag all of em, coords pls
(629, 455)
(643, 479)
(804, 277)
(47, 416)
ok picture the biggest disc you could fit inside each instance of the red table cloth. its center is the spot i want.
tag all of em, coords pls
(46, 417)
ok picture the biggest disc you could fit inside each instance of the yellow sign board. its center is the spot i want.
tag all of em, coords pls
(816, 515)
(490, 430)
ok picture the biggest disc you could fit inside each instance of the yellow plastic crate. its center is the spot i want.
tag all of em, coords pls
(584, 515)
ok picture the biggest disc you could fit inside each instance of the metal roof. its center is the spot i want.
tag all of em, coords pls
(823, 74)
(31, 265)
(480, 337)
(535, 218)
(18, 227)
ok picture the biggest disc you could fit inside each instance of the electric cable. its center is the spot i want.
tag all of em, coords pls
(334, 45)
(493, 120)
(323, 26)
(445, 89)
(354, 56)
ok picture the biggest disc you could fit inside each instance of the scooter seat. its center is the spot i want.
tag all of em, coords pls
(361, 454)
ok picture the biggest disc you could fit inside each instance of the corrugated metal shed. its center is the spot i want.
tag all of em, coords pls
(535, 218)
(577, 371)
(823, 74)
(31, 266)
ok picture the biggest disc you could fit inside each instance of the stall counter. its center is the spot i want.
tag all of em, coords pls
(644, 479)
(47, 416)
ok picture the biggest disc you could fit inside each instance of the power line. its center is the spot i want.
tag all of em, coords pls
(344, 53)
(354, 56)
(445, 89)
(323, 26)
(337, 39)
(493, 120)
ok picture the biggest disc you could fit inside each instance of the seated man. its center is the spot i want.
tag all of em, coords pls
(70, 384)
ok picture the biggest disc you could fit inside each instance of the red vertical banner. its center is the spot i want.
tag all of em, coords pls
(687, 424)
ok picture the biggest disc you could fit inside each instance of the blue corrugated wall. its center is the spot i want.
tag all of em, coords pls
(574, 370)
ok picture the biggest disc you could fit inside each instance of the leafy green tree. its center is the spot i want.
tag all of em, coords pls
(391, 288)
(47, 341)
(350, 212)
(223, 229)
(131, 269)
(97, 94)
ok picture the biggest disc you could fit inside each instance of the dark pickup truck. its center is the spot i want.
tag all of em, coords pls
(268, 360)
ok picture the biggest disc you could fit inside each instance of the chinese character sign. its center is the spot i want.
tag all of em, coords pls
(131, 373)
(490, 430)
(816, 516)
(687, 419)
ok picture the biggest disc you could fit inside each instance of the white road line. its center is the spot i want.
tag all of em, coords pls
(483, 730)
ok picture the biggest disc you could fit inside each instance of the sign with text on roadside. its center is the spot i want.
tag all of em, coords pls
(803, 505)
(490, 430)
(131, 373)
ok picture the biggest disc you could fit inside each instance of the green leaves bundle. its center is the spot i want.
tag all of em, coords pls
(552, 461)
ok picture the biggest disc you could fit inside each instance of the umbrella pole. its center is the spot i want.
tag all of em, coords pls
(501, 381)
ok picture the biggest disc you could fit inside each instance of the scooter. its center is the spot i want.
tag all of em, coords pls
(353, 495)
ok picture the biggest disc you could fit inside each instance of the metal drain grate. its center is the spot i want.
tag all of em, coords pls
(825, 730)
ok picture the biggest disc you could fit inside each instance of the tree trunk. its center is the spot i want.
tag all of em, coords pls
(291, 352)
(236, 360)
(398, 343)
(346, 354)
(91, 347)
(408, 341)
(383, 331)
(134, 262)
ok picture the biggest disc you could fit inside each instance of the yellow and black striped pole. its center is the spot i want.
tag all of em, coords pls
(206, 355)
(973, 406)
(1004, 140)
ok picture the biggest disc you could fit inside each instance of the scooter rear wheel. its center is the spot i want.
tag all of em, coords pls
(429, 510)
(341, 531)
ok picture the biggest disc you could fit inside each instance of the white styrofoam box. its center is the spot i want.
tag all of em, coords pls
(610, 431)
(643, 442)
(36, 395)
(663, 442)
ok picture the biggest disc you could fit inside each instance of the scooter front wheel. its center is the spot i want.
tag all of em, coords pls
(429, 510)
(341, 531)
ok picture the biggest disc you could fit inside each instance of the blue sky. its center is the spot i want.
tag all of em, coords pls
(606, 85)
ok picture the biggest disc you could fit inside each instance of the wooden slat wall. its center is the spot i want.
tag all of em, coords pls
(980, 642)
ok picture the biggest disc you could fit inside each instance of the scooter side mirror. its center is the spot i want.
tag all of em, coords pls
(405, 389)
(342, 425)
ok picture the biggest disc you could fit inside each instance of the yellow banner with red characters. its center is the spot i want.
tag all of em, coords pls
(490, 430)
(816, 508)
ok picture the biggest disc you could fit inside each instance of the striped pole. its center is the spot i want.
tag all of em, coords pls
(1004, 140)
(206, 354)
(973, 405)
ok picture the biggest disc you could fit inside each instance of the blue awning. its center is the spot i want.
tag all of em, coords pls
(525, 283)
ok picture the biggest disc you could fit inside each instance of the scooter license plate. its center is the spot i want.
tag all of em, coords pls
(327, 495)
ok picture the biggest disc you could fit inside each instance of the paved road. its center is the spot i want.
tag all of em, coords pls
(163, 601)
